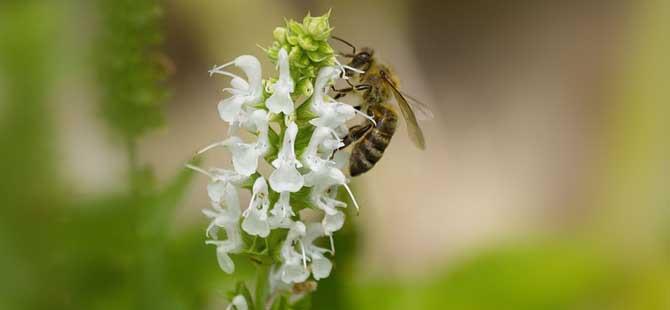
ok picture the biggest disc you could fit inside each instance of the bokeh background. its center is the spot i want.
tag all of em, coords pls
(544, 185)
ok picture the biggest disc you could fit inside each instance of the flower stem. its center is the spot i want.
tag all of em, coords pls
(262, 285)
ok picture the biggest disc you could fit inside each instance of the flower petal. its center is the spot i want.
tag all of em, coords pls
(333, 223)
(256, 224)
(286, 179)
(321, 267)
(280, 101)
(215, 191)
(240, 303)
(294, 273)
(225, 262)
(229, 109)
(245, 157)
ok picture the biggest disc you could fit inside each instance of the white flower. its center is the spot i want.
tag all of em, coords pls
(225, 213)
(331, 114)
(217, 188)
(222, 249)
(294, 264)
(280, 101)
(244, 92)
(239, 302)
(332, 222)
(245, 155)
(286, 177)
(255, 220)
(320, 265)
(224, 217)
(228, 219)
(324, 175)
(294, 267)
(311, 157)
(281, 213)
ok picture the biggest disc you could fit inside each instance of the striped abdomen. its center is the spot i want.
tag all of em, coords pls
(370, 149)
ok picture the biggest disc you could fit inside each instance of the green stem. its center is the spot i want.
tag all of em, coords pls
(262, 285)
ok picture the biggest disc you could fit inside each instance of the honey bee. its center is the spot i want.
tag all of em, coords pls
(376, 83)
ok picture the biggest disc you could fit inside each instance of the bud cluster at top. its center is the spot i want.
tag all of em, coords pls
(307, 47)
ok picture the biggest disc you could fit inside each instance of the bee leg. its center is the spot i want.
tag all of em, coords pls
(339, 95)
(341, 92)
(360, 87)
(355, 133)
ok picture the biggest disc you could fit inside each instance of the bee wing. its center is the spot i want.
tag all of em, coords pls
(422, 110)
(413, 129)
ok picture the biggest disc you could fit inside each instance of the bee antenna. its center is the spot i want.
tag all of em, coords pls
(347, 43)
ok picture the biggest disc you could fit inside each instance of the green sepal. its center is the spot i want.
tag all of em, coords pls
(308, 43)
(304, 88)
(304, 114)
(302, 139)
(318, 56)
(248, 240)
(304, 61)
(292, 39)
(272, 153)
(295, 27)
(275, 241)
(273, 196)
(301, 199)
(318, 26)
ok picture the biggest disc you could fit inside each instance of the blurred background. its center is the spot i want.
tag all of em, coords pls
(544, 184)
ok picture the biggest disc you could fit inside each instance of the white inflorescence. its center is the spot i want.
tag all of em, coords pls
(316, 172)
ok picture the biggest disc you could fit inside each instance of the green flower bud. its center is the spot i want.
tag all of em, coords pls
(323, 35)
(318, 56)
(307, 43)
(304, 62)
(292, 39)
(305, 87)
(294, 55)
(280, 35)
(325, 48)
(307, 47)
(295, 27)
(317, 27)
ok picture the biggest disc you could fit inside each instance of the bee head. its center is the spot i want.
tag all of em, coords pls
(362, 59)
